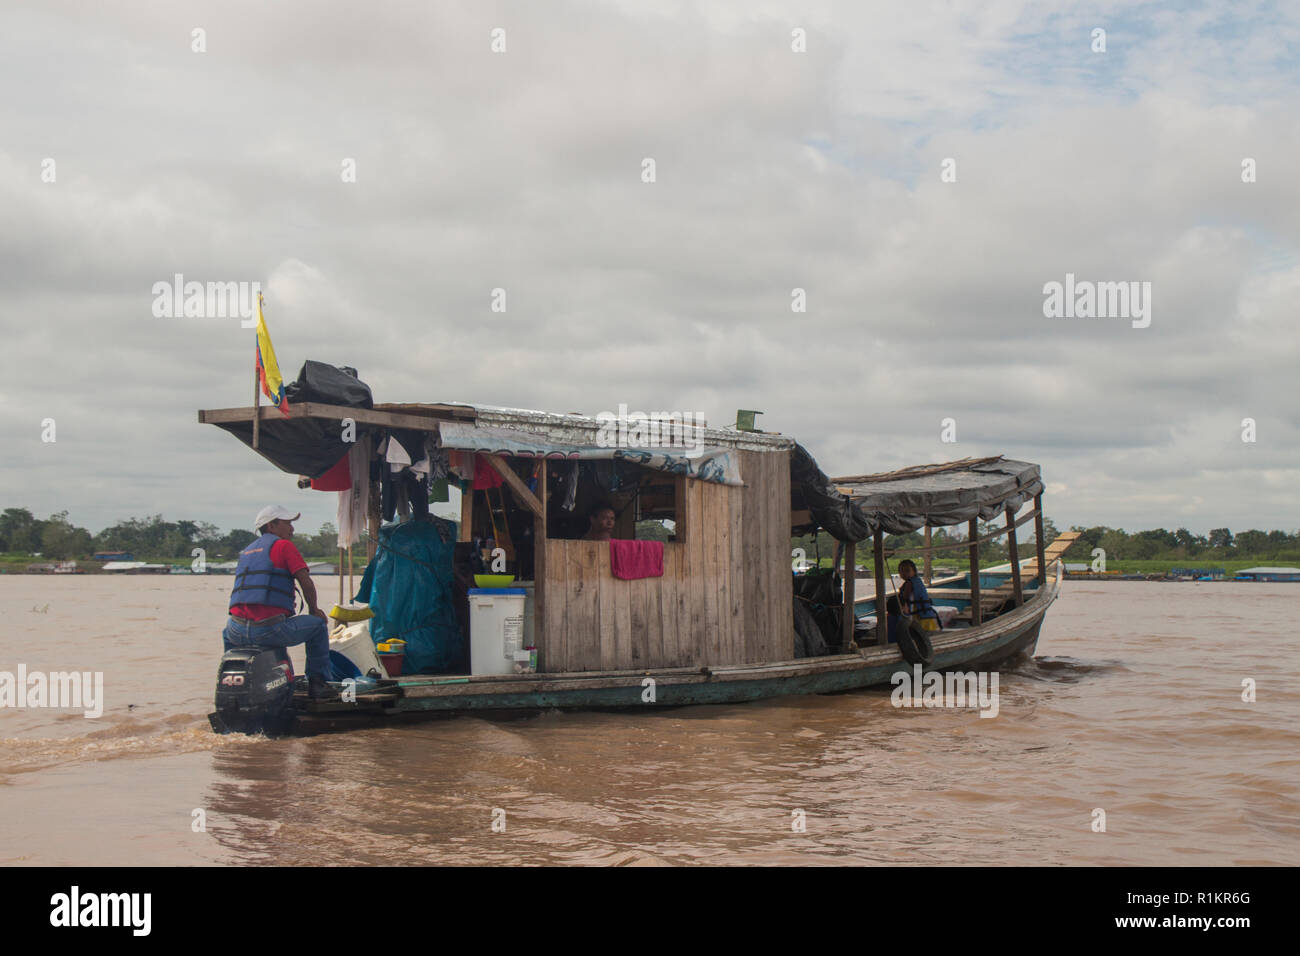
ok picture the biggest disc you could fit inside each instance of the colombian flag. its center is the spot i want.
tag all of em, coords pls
(268, 370)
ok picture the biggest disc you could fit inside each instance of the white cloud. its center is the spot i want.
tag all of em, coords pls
(776, 170)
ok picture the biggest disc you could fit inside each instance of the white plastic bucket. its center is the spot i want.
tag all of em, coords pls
(496, 628)
(530, 591)
(356, 647)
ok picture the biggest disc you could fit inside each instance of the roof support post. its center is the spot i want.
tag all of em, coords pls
(521, 492)
(976, 612)
(1040, 543)
(539, 570)
(257, 403)
(927, 574)
(1014, 554)
(848, 618)
(372, 517)
(882, 615)
(467, 513)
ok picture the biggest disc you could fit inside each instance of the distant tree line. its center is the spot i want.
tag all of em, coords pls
(993, 551)
(1159, 544)
(57, 538)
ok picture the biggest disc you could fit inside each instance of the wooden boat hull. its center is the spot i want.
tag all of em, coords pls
(1007, 636)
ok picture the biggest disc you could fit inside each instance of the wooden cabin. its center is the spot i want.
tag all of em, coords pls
(726, 621)
(720, 497)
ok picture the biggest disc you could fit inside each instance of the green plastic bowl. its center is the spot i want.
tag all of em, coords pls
(493, 580)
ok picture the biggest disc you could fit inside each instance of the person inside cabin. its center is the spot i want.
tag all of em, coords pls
(602, 524)
(915, 598)
(262, 601)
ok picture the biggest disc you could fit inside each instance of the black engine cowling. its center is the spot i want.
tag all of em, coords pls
(254, 692)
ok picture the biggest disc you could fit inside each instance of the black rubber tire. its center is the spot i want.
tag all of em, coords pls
(914, 642)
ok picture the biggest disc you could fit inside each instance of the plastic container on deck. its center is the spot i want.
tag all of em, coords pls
(352, 651)
(392, 654)
(496, 628)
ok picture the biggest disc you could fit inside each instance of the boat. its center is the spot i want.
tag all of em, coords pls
(135, 567)
(717, 626)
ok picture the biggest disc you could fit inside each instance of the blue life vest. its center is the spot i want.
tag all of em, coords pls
(258, 581)
(921, 601)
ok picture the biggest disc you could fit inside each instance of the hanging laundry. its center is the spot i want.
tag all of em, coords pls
(422, 463)
(571, 492)
(401, 497)
(338, 478)
(485, 476)
(417, 491)
(396, 455)
(461, 464)
(353, 502)
(630, 560)
(607, 475)
(387, 492)
(438, 467)
(435, 456)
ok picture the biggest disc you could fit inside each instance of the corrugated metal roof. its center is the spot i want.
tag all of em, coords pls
(582, 429)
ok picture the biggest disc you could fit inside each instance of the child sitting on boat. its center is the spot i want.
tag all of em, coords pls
(915, 598)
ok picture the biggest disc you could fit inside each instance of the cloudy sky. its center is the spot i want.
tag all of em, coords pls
(774, 169)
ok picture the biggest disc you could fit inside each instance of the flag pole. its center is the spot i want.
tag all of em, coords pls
(257, 390)
(257, 399)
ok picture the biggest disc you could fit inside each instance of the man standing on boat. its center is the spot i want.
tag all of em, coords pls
(262, 601)
(915, 598)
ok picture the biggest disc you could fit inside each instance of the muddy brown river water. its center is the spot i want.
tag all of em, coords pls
(1133, 705)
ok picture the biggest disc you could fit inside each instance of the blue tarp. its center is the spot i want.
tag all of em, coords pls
(409, 587)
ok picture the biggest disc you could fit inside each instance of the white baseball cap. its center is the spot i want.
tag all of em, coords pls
(271, 513)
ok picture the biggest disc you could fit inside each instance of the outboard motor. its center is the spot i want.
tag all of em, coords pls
(254, 691)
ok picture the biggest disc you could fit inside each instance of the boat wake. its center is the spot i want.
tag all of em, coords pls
(1066, 670)
(176, 734)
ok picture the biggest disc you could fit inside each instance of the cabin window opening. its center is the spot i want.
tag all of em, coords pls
(646, 502)
(499, 520)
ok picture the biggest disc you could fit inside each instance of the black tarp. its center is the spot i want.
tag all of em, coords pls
(308, 446)
(329, 385)
(818, 612)
(982, 489)
(300, 446)
(811, 489)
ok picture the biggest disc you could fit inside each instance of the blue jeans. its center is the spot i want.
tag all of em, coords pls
(286, 632)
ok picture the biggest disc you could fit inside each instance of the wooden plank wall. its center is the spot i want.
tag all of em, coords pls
(725, 597)
(764, 522)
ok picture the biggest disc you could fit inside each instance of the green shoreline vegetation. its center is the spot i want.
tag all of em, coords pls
(1140, 552)
(26, 539)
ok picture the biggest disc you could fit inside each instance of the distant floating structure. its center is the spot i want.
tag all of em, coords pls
(136, 567)
(1269, 574)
